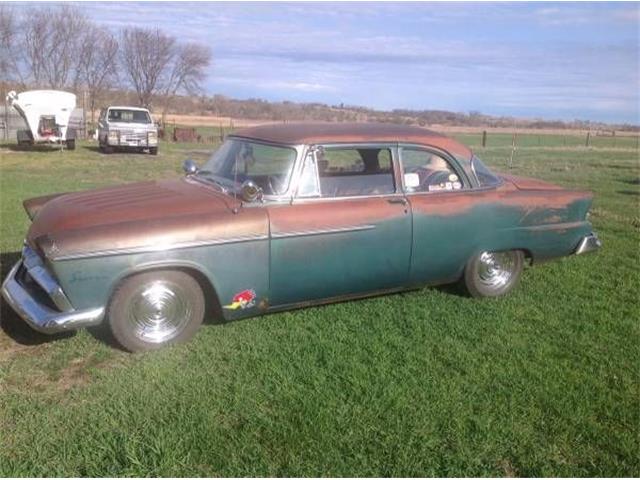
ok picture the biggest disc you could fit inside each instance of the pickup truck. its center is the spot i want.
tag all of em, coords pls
(127, 128)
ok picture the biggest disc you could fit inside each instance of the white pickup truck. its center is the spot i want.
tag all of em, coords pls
(127, 128)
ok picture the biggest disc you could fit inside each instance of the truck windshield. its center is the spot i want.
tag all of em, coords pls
(238, 160)
(129, 116)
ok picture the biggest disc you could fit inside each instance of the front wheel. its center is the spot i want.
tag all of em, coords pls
(154, 309)
(153, 150)
(493, 274)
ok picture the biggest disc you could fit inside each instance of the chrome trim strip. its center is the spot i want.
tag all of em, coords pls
(159, 248)
(40, 317)
(590, 243)
(323, 231)
(298, 200)
(38, 272)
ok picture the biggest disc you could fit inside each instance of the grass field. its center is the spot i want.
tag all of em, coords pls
(545, 382)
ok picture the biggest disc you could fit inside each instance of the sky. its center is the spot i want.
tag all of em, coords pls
(533, 60)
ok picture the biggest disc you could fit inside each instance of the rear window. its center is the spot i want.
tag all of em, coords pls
(486, 177)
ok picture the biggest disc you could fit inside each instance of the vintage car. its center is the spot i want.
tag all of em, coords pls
(284, 216)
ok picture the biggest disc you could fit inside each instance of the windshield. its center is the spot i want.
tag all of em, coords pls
(238, 160)
(129, 116)
(485, 177)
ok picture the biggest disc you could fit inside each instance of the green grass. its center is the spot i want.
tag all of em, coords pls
(545, 382)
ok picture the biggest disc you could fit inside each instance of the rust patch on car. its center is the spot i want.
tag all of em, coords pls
(321, 133)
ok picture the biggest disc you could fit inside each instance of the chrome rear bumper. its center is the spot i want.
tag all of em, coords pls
(590, 243)
(40, 316)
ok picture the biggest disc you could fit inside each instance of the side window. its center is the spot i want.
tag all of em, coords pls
(428, 172)
(345, 172)
(485, 177)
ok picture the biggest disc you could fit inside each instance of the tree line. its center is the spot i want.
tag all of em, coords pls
(60, 48)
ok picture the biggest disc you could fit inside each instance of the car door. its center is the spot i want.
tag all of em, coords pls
(346, 233)
(450, 218)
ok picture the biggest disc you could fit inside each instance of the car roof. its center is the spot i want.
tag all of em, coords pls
(299, 133)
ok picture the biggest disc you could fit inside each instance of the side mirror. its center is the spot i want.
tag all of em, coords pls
(190, 167)
(250, 191)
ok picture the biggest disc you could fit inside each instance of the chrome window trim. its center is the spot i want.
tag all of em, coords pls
(159, 248)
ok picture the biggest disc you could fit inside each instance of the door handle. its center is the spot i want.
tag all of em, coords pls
(401, 201)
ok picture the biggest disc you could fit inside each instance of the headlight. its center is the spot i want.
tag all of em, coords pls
(152, 135)
(113, 136)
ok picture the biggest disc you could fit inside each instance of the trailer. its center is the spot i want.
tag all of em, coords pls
(47, 114)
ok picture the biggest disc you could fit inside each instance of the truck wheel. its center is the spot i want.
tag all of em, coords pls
(71, 144)
(153, 150)
(153, 309)
(493, 274)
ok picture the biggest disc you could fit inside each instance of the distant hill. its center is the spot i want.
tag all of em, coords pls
(219, 105)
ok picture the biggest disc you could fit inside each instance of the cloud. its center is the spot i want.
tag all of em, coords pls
(512, 58)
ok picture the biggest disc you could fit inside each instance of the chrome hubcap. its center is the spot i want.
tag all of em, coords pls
(495, 269)
(159, 312)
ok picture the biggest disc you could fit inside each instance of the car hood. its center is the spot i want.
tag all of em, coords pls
(140, 215)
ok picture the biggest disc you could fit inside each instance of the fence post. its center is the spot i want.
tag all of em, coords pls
(513, 149)
(221, 133)
(6, 118)
(586, 144)
(484, 138)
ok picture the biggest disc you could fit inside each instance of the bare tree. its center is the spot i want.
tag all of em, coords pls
(145, 56)
(186, 72)
(51, 39)
(7, 41)
(12, 66)
(97, 68)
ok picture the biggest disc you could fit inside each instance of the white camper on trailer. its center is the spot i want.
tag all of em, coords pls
(47, 114)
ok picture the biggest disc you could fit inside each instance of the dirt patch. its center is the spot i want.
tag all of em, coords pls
(508, 469)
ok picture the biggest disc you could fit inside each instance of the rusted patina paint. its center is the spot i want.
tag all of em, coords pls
(148, 214)
(330, 248)
(321, 133)
(309, 215)
(34, 205)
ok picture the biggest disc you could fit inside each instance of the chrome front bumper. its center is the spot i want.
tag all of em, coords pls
(37, 313)
(590, 243)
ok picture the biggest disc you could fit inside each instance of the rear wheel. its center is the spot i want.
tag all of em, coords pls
(71, 144)
(154, 309)
(493, 274)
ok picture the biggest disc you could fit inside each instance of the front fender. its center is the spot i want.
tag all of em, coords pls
(229, 268)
